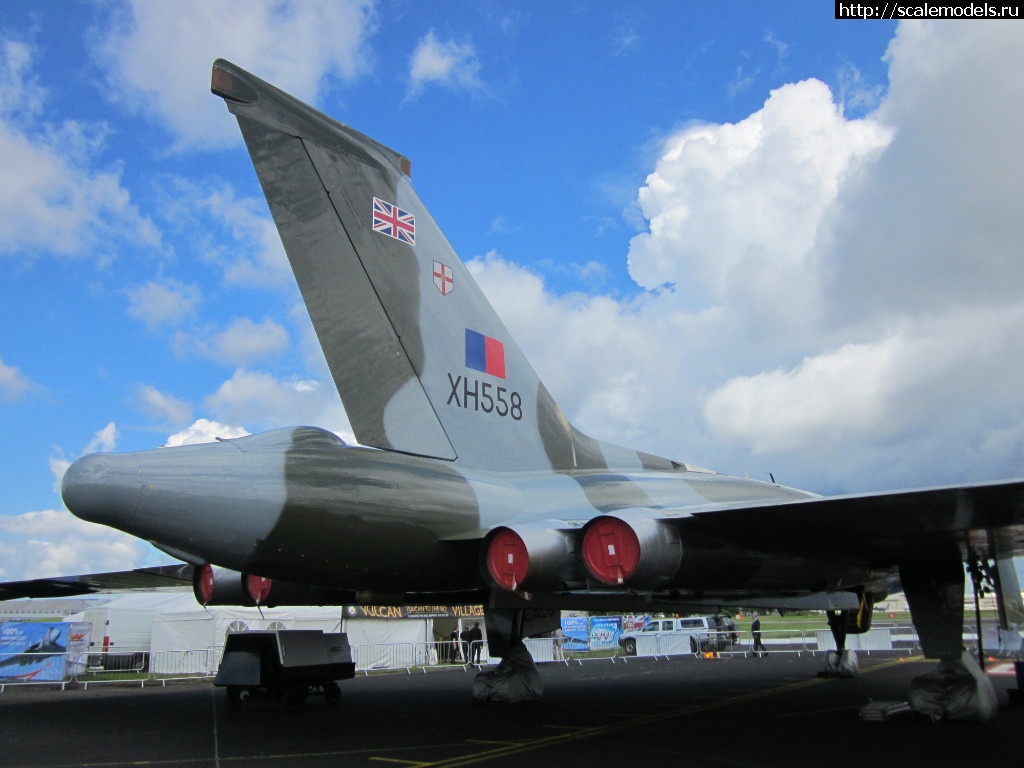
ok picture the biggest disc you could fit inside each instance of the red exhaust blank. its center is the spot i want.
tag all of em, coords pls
(611, 550)
(204, 584)
(258, 588)
(507, 560)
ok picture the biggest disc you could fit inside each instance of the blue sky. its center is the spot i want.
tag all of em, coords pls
(742, 235)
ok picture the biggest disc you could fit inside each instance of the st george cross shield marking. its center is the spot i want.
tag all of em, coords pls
(444, 278)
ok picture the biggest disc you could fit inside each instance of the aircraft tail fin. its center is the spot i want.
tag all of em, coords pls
(421, 360)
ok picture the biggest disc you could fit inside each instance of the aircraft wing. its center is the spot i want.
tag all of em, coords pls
(882, 528)
(67, 586)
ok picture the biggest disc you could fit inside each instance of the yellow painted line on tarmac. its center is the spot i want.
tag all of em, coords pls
(250, 759)
(501, 748)
(642, 720)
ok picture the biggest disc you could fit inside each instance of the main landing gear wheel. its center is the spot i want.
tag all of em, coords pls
(332, 694)
(296, 697)
(236, 695)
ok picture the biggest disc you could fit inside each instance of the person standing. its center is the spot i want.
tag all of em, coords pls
(559, 639)
(476, 641)
(454, 650)
(755, 630)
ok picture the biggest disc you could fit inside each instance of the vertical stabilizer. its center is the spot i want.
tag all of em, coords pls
(421, 360)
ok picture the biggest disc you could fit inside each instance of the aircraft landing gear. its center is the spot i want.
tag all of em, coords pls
(517, 678)
(958, 689)
(840, 662)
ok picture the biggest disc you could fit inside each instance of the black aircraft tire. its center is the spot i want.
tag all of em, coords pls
(332, 694)
(234, 698)
(296, 697)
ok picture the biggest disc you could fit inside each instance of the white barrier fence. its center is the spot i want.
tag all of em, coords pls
(898, 639)
(138, 666)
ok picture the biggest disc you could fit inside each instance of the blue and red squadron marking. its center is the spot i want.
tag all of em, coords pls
(486, 355)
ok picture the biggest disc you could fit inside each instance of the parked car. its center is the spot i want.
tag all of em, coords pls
(701, 634)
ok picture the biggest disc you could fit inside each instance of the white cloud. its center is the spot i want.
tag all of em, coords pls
(160, 405)
(725, 199)
(55, 542)
(844, 303)
(104, 440)
(13, 383)
(205, 431)
(52, 199)
(257, 398)
(20, 93)
(170, 302)
(263, 263)
(159, 55)
(242, 342)
(235, 234)
(446, 63)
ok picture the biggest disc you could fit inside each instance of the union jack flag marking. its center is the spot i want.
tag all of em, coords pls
(392, 221)
(444, 278)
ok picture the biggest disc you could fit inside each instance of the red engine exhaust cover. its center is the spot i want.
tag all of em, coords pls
(507, 559)
(611, 550)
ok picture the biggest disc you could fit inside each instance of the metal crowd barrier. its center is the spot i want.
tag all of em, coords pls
(168, 666)
(901, 639)
(124, 665)
(137, 665)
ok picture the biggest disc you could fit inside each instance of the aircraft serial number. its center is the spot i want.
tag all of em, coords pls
(485, 396)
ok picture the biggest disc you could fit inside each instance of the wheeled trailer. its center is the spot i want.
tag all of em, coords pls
(288, 664)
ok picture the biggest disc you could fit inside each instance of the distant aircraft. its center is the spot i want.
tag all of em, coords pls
(33, 654)
(473, 486)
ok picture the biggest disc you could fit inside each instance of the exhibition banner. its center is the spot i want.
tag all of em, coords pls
(605, 631)
(577, 636)
(33, 651)
(635, 623)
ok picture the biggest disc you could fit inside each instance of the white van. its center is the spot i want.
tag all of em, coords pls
(692, 634)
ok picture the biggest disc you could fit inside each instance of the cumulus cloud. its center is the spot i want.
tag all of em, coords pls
(162, 406)
(205, 431)
(53, 200)
(831, 298)
(158, 55)
(13, 383)
(726, 199)
(235, 234)
(104, 440)
(446, 63)
(242, 342)
(263, 261)
(260, 399)
(157, 304)
(51, 542)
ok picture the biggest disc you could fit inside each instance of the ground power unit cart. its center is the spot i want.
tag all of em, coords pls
(287, 665)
